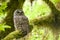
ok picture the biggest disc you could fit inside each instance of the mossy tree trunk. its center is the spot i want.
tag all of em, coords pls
(56, 14)
(11, 6)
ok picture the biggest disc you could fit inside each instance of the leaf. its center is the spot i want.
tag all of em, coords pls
(2, 29)
(6, 26)
(4, 5)
(3, 26)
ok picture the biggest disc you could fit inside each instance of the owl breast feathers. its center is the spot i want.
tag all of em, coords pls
(20, 21)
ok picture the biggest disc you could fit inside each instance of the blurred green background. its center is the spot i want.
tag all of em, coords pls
(39, 14)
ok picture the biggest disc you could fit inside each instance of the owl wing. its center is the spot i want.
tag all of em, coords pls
(25, 23)
(17, 22)
(21, 22)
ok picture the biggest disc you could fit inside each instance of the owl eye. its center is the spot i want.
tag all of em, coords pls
(18, 12)
(22, 12)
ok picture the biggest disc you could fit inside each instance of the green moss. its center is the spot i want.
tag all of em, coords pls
(12, 35)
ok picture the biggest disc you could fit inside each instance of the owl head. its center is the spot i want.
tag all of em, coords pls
(18, 12)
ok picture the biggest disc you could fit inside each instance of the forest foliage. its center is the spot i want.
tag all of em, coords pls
(38, 12)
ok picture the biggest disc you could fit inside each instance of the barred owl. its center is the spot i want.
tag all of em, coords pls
(21, 21)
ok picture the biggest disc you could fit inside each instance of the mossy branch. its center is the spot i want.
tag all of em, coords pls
(14, 34)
